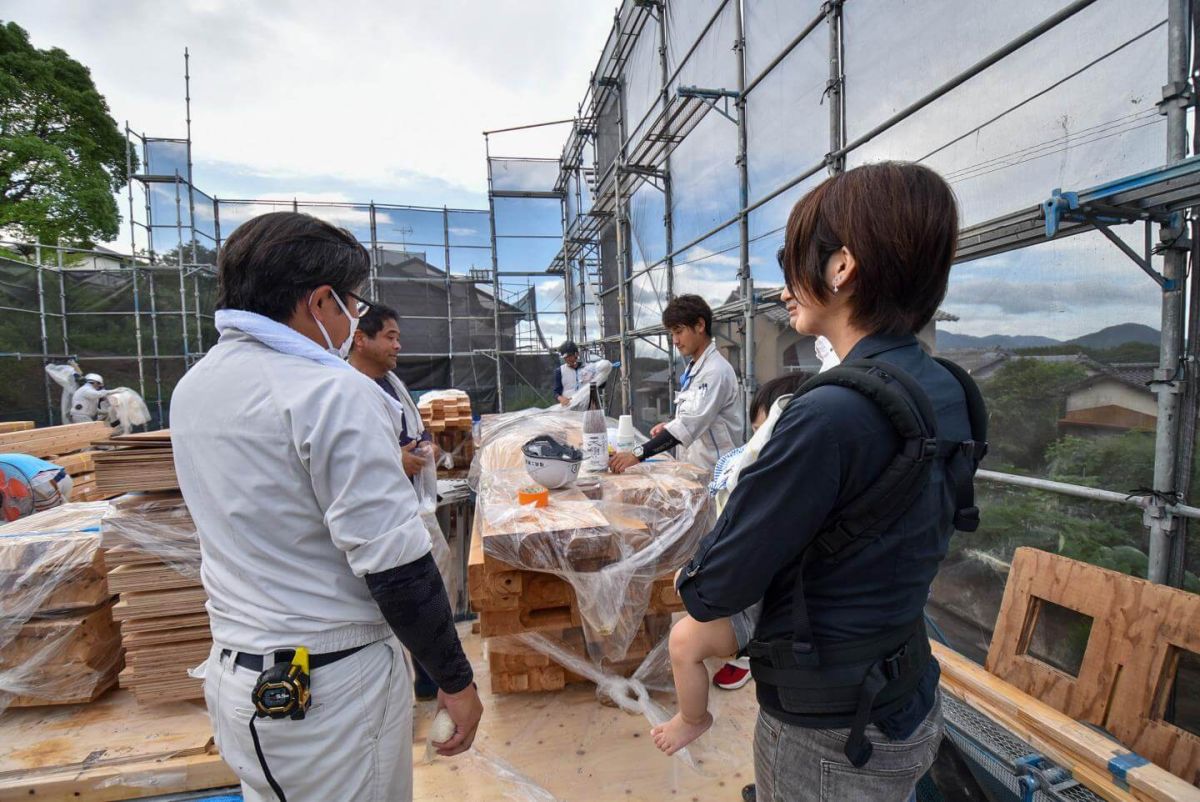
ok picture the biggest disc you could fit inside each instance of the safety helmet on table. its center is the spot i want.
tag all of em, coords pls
(551, 463)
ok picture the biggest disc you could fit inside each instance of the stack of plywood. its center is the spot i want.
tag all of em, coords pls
(447, 416)
(58, 640)
(67, 446)
(52, 441)
(154, 564)
(141, 461)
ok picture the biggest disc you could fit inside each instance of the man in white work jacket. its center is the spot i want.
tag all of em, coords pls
(708, 412)
(310, 533)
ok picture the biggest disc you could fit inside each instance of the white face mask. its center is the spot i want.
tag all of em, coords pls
(344, 350)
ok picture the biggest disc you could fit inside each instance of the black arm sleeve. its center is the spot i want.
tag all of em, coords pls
(414, 602)
(663, 441)
(558, 383)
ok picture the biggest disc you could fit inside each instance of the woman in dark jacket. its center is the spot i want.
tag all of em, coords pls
(866, 260)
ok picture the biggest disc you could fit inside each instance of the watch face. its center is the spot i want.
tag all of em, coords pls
(638, 452)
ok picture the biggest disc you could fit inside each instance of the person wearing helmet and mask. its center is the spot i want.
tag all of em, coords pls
(310, 533)
(90, 402)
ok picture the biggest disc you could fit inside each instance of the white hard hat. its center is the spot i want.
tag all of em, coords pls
(551, 463)
(95, 378)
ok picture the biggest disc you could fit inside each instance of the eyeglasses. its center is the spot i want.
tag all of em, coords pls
(362, 307)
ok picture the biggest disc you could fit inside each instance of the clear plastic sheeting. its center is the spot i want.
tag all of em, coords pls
(609, 536)
(58, 642)
(154, 525)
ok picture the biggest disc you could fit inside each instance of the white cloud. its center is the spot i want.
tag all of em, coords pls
(373, 92)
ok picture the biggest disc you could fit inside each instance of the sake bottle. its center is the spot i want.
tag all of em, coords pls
(595, 435)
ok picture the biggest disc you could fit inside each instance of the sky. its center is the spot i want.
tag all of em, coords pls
(386, 101)
(358, 100)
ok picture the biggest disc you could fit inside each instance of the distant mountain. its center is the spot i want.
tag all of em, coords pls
(949, 341)
(1121, 334)
(1111, 337)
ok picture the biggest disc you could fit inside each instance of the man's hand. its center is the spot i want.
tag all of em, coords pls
(414, 462)
(622, 461)
(562, 399)
(465, 710)
(657, 430)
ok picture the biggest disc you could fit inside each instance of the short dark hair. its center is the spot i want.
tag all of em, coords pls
(688, 310)
(567, 348)
(770, 392)
(373, 321)
(272, 261)
(899, 220)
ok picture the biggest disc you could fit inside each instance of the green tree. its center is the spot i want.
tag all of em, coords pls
(1025, 401)
(62, 155)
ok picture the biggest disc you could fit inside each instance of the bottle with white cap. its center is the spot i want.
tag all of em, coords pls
(626, 436)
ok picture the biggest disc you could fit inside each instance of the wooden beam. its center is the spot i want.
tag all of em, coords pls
(1086, 753)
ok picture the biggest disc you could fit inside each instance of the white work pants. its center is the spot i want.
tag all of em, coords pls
(354, 744)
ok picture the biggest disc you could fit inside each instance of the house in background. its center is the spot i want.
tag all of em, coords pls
(1115, 400)
(433, 309)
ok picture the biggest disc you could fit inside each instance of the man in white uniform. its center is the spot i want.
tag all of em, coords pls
(708, 413)
(310, 534)
(89, 403)
(566, 376)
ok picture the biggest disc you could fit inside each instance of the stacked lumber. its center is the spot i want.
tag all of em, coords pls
(447, 416)
(54, 441)
(1102, 764)
(1133, 662)
(58, 640)
(141, 461)
(154, 564)
(67, 446)
(579, 570)
(518, 668)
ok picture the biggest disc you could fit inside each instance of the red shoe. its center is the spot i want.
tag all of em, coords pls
(731, 677)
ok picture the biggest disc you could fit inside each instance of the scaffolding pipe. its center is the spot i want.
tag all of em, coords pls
(623, 266)
(154, 343)
(1084, 492)
(668, 201)
(137, 318)
(183, 326)
(449, 294)
(834, 89)
(375, 253)
(495, 275)
(37, 251)
(745, 277)
(1167, 385)
(62, 299)
(187, 103)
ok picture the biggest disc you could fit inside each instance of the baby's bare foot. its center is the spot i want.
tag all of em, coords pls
(679, 732)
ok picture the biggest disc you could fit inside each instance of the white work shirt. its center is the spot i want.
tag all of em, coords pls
(292, 473)
(570, 379)
(85, 403)
(708, 414)
(413, 423)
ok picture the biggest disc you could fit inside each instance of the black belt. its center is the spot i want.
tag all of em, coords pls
(254, 662)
